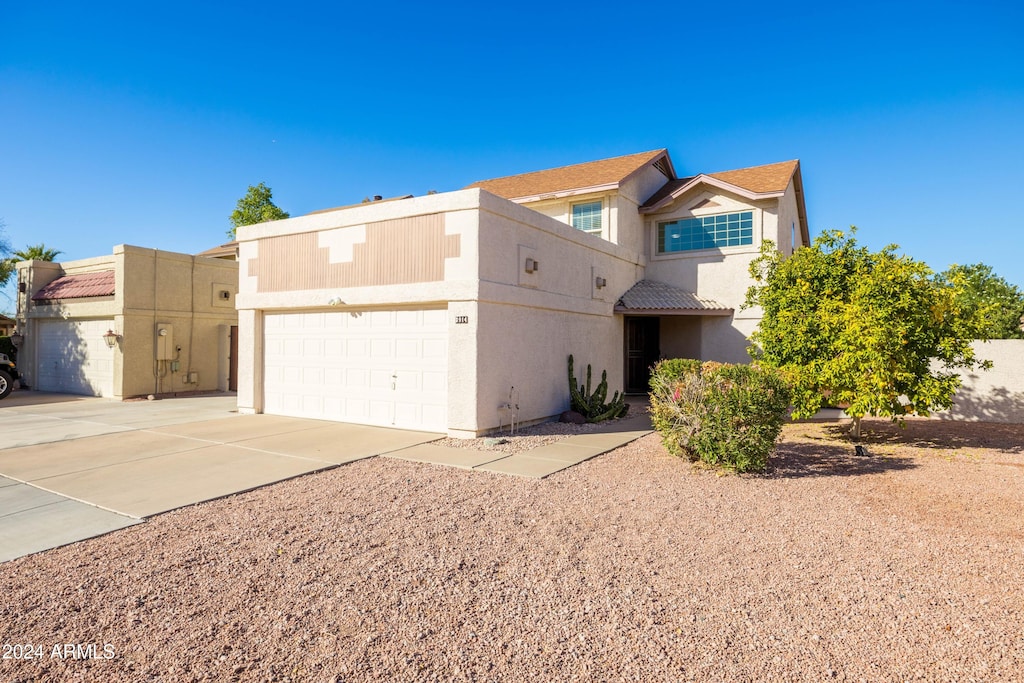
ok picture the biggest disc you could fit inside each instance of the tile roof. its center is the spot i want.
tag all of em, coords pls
(759, 179)
(650, 295)
(577, 176)
(81, 286)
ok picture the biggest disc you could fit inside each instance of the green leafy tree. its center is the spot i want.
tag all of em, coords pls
(874, 332)
(257, 206)
(1000, 304)
(36, 252)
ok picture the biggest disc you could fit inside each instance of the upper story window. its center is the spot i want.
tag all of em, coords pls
(707, 232)
(587, 217)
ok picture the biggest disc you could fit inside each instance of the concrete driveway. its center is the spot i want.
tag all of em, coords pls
(72, 468)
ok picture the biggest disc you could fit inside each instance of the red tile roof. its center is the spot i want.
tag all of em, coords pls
(81, 286)
(649, 295)
(577, 176)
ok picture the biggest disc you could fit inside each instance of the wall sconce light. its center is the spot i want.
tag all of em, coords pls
(532, 265)
(600, 282)
(17, 339)
(112, 338)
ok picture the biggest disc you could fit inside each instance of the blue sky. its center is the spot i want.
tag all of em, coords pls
(144, 123)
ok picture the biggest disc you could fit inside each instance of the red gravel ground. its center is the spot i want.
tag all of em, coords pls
(632, 566)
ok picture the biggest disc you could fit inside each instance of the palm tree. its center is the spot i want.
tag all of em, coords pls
(36, 252)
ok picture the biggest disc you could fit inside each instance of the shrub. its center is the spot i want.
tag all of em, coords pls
(720, 414)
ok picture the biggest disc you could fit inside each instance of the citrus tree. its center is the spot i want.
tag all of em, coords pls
(1000, 304)
(874, 332)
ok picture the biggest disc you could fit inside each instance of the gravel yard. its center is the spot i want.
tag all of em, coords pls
(905, 565)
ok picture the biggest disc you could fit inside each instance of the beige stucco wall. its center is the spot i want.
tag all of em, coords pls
(151, 286)
(521, 326)
(530, 323)
(788, 223)
(720, 274)
(183, 291)
(995, 395)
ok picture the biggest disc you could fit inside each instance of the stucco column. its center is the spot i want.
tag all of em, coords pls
(250, 361)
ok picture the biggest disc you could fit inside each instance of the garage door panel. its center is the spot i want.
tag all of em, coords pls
(386, 367)
(408, 348)
(74, 358)
(380, 379)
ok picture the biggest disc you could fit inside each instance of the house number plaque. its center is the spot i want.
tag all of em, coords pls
(462, 320)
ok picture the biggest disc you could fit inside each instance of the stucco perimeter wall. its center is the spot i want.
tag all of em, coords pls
(995, 395)
(527, 324)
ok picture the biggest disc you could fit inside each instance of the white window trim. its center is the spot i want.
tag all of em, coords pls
(604, 215)
(652, 231)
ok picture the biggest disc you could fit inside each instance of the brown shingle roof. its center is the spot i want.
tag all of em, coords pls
(760, 179)
(767, 178)
(228, 250)
(81, 286)
(650, 295)
(577, 176)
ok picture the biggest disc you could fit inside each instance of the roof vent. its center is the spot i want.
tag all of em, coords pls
(377, 197)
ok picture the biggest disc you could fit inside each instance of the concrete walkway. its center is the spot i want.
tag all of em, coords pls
(539, 462)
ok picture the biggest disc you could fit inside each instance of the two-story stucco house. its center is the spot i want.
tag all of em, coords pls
(455, 312)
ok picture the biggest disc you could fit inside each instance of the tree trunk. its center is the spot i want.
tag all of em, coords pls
(855, 429)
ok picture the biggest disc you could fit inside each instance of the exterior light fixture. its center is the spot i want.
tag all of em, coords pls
(532, 265)
(112, 338)
(17, 339)
(600, 282)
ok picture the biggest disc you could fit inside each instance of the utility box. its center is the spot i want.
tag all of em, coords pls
(164, 341)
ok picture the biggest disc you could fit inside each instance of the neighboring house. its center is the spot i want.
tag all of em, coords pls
(227, 251)
(137, 322)
(456, 312)
(7, 326)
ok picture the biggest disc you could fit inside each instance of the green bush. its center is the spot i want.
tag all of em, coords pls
(723, 415)
(7, 347)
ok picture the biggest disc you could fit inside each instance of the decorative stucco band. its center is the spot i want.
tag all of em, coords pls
(392, 252)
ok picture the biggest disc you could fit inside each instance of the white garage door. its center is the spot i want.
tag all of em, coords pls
(74, 359)
(385, 368)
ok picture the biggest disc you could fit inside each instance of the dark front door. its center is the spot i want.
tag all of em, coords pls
(642, 351)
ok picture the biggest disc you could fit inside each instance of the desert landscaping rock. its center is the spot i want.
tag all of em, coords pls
(631, 566)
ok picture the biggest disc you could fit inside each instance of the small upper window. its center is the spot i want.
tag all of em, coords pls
(707, 232)
(587, 217)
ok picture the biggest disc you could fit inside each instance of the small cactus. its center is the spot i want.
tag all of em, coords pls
(592, 405)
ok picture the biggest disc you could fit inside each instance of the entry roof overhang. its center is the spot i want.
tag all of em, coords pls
(649, 297)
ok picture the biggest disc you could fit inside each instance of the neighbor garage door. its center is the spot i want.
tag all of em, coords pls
(384, 367)
(74, 359)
